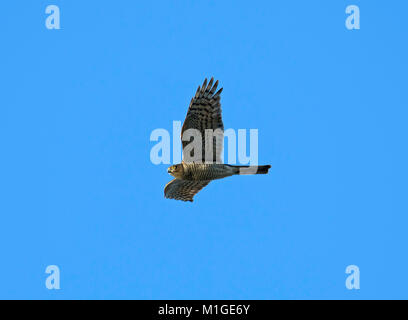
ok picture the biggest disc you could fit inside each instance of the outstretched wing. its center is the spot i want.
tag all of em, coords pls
(204, 113)
(183, 189)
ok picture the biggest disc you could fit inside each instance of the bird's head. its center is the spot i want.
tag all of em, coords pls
(176, 171)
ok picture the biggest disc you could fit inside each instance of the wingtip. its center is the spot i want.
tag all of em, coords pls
(218, 92)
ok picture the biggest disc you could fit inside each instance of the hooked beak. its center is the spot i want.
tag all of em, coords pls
(168, 170)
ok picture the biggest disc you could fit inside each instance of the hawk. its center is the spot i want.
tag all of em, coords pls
(198, 168)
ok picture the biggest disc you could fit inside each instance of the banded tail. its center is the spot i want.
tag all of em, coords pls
(241, 170)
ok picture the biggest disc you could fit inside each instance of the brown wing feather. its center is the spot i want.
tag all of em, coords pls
(203, 113)
(183, 189)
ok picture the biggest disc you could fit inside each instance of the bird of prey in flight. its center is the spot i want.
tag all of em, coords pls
(200, 165)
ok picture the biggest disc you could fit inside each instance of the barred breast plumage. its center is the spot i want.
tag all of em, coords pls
(203, 171)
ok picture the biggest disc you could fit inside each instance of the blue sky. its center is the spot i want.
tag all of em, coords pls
(79, 191)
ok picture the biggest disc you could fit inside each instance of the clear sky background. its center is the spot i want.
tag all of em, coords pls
(78, 189)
